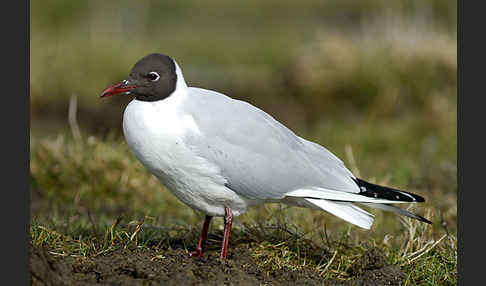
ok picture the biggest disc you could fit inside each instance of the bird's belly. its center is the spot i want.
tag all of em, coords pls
(161, 149)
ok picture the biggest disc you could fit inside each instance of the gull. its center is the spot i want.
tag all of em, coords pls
(221, 156)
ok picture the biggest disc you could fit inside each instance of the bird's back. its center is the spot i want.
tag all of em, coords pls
(259, 157)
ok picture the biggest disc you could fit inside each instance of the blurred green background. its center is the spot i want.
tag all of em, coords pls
(373, 81)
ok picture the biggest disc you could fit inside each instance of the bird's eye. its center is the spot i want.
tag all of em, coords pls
(153, 76)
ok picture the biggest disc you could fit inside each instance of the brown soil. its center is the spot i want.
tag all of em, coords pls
(174, 267)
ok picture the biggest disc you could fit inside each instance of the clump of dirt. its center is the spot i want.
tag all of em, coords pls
(175, 267)
(45, 269)
(371, 269)
(370, 260)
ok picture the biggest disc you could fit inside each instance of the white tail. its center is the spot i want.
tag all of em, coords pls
(345, 210)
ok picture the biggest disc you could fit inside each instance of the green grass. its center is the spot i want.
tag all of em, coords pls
(374, 82)
(89, 197)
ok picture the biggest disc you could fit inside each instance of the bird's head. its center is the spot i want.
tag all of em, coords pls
(152, 78)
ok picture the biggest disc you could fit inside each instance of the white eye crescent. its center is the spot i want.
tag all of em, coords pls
(153, 76)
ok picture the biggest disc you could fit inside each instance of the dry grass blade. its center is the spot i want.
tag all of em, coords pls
(352, 163)
(73, 121)
(134, 234)
(427, 250)
(58, 254)
(329, 263)
(109, 235)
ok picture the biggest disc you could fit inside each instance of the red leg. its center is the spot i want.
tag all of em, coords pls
(202, 241)
(228, 220)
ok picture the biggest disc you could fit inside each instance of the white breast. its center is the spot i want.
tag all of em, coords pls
(155, 133)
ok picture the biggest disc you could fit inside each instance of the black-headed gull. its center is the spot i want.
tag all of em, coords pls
(221, 156)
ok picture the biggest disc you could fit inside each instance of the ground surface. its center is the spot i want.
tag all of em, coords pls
(175, 267)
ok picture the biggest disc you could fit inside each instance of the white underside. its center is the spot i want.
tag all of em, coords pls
(155, 133)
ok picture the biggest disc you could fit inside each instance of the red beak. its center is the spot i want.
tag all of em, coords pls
(117, 89)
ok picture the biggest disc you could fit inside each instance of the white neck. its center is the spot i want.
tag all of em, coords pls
(181, 83)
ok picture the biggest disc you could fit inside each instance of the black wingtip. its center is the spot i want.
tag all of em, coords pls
(381, 192)
(418, 198)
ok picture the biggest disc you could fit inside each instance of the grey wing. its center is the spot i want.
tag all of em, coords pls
(259, 157)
